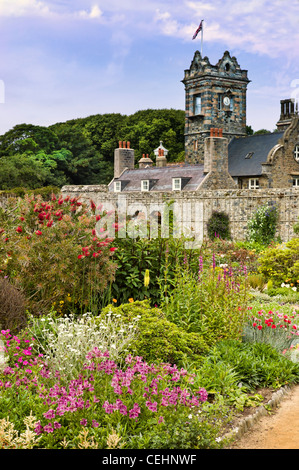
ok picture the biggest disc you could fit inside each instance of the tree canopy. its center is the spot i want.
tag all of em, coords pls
(81, 151)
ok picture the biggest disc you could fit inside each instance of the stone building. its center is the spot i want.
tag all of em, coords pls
(225, 169)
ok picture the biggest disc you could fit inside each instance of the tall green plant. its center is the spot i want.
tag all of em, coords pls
(211, 303)
(263, 224)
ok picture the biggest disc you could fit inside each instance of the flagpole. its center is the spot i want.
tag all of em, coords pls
(201, 35)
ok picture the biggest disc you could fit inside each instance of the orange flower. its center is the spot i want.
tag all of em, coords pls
(114, 300)
(131, 300)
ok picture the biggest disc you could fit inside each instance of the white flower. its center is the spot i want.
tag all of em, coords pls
(294, 289)
(283, 285)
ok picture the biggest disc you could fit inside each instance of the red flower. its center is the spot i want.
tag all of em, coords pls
(38, 232)
(22, 218)
(95, 255)
(254, 324)
(49, 224)
(273, 326)
(80, 256)
(113, 248)
(19, 229)
(259, 327)
(60, 201)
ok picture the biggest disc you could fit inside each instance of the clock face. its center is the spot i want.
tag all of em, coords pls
(226, 100)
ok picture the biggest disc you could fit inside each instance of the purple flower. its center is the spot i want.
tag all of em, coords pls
(49, 414)
(83, 422)
(48, 428)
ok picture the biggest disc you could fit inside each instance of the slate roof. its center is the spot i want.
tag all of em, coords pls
(238, 165)
(162, 176)
(240, 147)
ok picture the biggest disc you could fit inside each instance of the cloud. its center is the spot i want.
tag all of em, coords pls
(94, 13)
(256, 26)
(23, 8)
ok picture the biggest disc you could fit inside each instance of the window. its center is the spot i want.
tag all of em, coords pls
(176, 184)
(231, 105)
(296, 153)
(296, 182)
(249, 155)
(117, 186)
(197, 104)
(145, 185)
(220, 98)
(195, 145)
(254, 183)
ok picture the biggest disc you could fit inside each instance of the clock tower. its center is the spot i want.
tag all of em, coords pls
(215, 98)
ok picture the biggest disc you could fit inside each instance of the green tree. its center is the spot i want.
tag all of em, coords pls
(22, 171)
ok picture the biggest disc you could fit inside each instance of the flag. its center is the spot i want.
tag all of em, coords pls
(198, 30)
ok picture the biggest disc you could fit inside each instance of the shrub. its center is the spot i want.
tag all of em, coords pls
(65, 341)
(159, 255)
(262, 226)
(50, 250)
(257, 364)
(12, 307)
(212, 303)
(158, 339)
(218, 226)
(272, 326)
(281, 263)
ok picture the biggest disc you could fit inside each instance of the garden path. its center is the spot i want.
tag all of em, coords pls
(278, 430)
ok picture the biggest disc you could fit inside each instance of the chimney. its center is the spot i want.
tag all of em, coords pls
(216, 162)
(161, 160)
(145, 161)
(215, 151)
(124, 158)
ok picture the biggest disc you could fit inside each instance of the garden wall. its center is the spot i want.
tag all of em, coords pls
(196, 207)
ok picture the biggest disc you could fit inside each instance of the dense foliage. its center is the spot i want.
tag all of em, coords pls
(81, 151)
(137, 342)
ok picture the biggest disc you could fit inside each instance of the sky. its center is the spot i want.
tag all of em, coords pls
(63, 60)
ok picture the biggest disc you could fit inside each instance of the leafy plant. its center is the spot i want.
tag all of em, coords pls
(159, 339)
(51, 252)
(212, 303)
(262, 226)
(218, 226)
(281, 263)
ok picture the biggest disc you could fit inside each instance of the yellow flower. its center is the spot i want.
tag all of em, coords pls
(131, 300)
(146, 278)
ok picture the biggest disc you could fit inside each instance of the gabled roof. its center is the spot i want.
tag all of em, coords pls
(241, 147)
(162, 177)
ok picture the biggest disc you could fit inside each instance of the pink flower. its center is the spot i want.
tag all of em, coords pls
(152, 406)
(49, 414)
(48, 428)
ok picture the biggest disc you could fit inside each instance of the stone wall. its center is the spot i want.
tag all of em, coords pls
(196, 207)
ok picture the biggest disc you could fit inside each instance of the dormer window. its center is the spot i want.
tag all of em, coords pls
(144, 185)
(117, 186)
(296, 153)
(176, 184)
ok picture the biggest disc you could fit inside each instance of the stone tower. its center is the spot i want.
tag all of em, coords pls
(215, 98)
